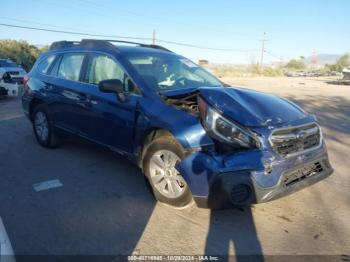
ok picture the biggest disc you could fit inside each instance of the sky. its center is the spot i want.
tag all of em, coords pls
(293, 28)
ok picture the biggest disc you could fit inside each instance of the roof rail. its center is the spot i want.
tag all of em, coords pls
(63, 44)
(156, 47)
(90, 43)
(139, 44)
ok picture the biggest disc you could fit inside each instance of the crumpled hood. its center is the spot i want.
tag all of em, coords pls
(251, 108)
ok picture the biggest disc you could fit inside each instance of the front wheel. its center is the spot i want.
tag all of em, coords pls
(159, 162)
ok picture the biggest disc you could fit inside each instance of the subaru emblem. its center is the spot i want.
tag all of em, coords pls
(301, 134)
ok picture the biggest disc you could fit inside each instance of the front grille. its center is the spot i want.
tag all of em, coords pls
(14, 73)
(295, 139)
(304, 172)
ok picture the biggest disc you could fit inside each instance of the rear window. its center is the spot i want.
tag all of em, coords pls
(70, 66)
(44, 65)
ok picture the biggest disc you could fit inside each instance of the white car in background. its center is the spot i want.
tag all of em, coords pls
(11, 77)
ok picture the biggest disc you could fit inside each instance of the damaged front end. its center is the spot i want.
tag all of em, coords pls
(258, 154)
(187, 102)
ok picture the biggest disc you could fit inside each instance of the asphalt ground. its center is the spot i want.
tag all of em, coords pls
(104, 206)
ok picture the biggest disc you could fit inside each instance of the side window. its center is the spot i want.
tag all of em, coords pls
(54, 68)
(103, 67)
(70, 66)
(44, 65)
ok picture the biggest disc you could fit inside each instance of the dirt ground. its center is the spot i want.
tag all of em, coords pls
(104, 206)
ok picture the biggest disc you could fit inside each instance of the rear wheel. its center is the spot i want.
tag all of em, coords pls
(43, 129)
(162, 155)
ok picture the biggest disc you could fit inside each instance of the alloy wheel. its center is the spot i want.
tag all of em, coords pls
(41, 126)
(164, 176)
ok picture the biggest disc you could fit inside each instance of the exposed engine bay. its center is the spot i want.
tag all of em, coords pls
(187, 103)
(191, 103)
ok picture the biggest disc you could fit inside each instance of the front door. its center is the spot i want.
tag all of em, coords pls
(108, 120)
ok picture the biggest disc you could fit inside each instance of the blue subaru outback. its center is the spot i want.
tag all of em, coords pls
(193, 136)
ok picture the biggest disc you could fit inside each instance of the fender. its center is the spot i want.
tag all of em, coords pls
(184, 127)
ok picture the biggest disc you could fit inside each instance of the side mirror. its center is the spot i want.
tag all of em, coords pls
(113, 86)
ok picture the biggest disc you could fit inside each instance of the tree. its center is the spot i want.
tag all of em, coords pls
(20, 52)
(343, 62)
(296, 64)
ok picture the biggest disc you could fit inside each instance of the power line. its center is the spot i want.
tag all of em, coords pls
(273, 55)
(98, 11)
(163, 19)
(127, 37)
(37, 23)
(73, 33)
(205, 47)
(104, 7)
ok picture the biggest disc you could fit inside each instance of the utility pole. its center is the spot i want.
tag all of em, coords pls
(314, 60)
(263, 40)
(154, 37)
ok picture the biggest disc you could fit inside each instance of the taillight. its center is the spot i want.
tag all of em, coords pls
(202, 107)
(25, 80)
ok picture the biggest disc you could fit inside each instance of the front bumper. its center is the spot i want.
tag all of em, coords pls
(12, 89)
(7, 89)
(245, 178)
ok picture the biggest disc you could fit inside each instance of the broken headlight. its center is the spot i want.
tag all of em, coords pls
(224, 129)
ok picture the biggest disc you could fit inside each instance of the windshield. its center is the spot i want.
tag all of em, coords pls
(171, 72)
(6, 63)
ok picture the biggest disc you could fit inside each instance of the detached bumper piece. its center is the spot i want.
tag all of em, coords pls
(298, 175)
(241, 189)
(295, 180)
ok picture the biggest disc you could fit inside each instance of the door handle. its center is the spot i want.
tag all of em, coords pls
(83, 97)
(85, 100)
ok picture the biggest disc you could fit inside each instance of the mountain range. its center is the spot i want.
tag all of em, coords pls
(323, 59)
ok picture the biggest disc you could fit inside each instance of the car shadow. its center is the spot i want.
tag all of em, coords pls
(233, 232)
(101, 210)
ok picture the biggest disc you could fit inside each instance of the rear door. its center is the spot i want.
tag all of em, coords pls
(65, 91)
(107, 120)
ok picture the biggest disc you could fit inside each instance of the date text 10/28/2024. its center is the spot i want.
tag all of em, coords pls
(172, 258)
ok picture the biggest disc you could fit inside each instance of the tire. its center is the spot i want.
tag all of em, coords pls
(43, 129)
(171, 188)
